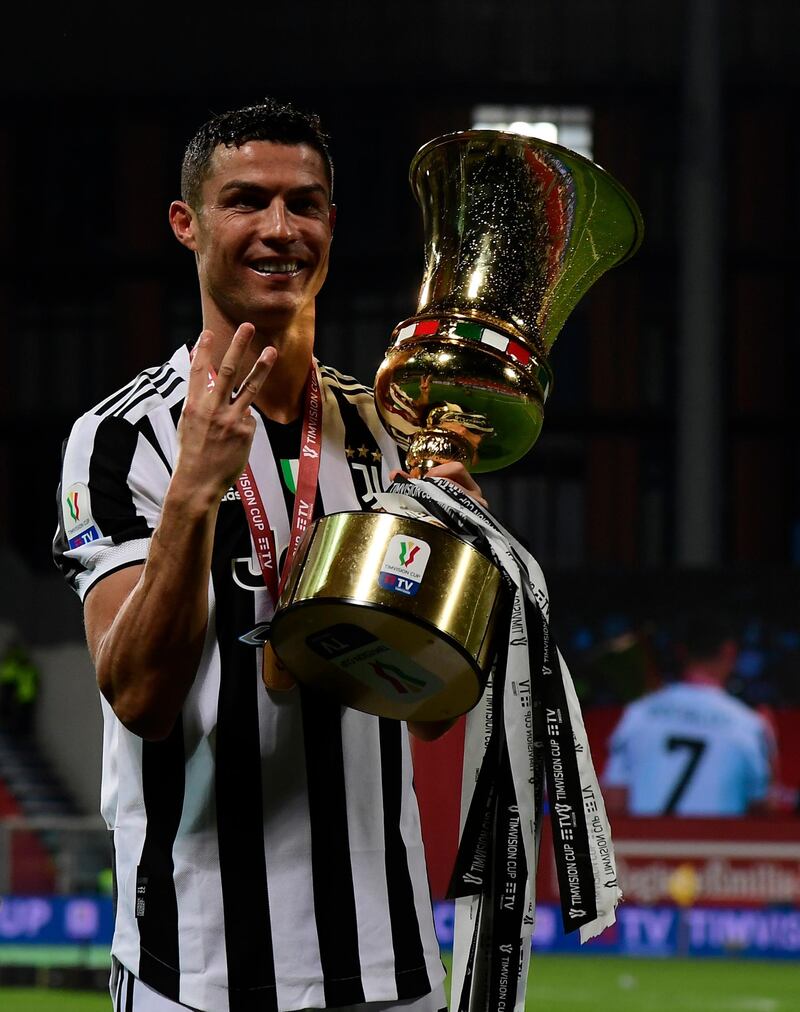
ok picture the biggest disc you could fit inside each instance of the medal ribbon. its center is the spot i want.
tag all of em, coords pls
(304, 497)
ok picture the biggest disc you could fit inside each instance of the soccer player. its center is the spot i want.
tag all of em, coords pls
(267, 848)
(691, 748)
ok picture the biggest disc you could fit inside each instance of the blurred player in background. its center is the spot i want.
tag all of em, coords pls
(691, 748)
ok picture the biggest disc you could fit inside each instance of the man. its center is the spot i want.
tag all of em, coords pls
(691, 748)
(267, 845)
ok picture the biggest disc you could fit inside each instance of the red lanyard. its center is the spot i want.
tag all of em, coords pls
(304, 497)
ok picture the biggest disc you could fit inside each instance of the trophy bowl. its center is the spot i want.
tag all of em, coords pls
(516, 231)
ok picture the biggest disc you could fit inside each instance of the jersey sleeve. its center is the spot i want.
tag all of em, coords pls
(106, 512)
(759, 763)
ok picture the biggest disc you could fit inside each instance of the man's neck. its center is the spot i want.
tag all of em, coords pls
(698, 674)
(281, 396)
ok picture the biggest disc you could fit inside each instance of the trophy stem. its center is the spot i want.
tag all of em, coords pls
(438, 446)
(450, 434)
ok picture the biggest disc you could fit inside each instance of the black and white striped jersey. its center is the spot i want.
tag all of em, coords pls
(268, 852)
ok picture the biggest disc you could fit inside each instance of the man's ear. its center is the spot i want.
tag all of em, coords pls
(332, 217)
(182, 220)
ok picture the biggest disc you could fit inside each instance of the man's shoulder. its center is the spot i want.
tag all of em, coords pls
(333, 377)
(742, 712)
(655, 700)
(153, 388)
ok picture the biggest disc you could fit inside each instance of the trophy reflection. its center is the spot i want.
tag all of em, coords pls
(516, 231)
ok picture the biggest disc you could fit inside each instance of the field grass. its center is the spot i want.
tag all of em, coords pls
(576, 984)
(19, 999)
(55, 955)
(623, 984)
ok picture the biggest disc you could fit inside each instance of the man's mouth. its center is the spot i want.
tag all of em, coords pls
(266, 267)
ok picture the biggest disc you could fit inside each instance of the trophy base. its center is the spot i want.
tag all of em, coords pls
(391, 615)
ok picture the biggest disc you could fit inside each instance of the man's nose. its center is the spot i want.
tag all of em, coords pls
(278, 223)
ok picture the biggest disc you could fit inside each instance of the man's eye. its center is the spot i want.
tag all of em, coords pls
(244, 200)
(305, 205)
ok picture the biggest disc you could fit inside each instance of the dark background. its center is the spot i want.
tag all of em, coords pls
(96, 109)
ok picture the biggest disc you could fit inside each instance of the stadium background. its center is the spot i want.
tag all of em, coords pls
(645, 496)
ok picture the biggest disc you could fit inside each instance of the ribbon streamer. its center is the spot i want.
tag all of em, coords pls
(526, 730)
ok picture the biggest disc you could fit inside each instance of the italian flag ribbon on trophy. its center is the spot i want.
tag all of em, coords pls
(525, 732)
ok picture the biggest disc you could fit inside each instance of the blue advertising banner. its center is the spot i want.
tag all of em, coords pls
(56, 920)
(767, 933)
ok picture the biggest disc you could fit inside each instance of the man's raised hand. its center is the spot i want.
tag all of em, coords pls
(216, 427)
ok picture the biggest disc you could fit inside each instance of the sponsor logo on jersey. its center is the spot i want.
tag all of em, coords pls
(404, 565)
(79, 525)
(85, 537)
(73, 506)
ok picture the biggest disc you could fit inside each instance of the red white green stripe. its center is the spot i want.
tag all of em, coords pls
(422, 328)
(470, 331)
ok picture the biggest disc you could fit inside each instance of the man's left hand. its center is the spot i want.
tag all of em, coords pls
(455, 472)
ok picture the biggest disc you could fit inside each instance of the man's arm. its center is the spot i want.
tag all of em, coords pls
(430, 730)
(146, 625)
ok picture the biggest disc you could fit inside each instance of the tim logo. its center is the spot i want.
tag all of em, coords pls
(376, 665)
(79, 527)
(407, 552)
(85, 537)
(404, 565)
(400, 681)
(73, 507)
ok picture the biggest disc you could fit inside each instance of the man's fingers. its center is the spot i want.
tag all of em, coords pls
(454, 472)
(229, 367)
(256, 376)
(460, 475)
(200, 365)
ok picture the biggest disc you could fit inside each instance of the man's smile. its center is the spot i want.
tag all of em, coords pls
(282, 268)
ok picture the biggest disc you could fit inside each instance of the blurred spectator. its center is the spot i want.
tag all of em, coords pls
(105, 882)
(691, 748)
(19, 685)
(620, 666)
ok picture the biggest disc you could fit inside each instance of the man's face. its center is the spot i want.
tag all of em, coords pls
(263, 233)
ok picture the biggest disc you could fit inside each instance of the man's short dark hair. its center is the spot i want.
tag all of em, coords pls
(705, 632)
(268, 121)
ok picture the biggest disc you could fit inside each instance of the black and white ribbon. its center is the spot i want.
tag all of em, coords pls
(525, 732)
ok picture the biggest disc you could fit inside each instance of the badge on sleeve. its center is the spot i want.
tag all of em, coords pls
(79, 526)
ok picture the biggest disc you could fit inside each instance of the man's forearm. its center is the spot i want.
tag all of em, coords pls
(147, 660)
(146, 635)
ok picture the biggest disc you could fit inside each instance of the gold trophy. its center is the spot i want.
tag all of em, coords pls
(393, 614)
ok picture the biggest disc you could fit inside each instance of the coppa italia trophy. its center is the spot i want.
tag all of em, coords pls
(395, 614)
